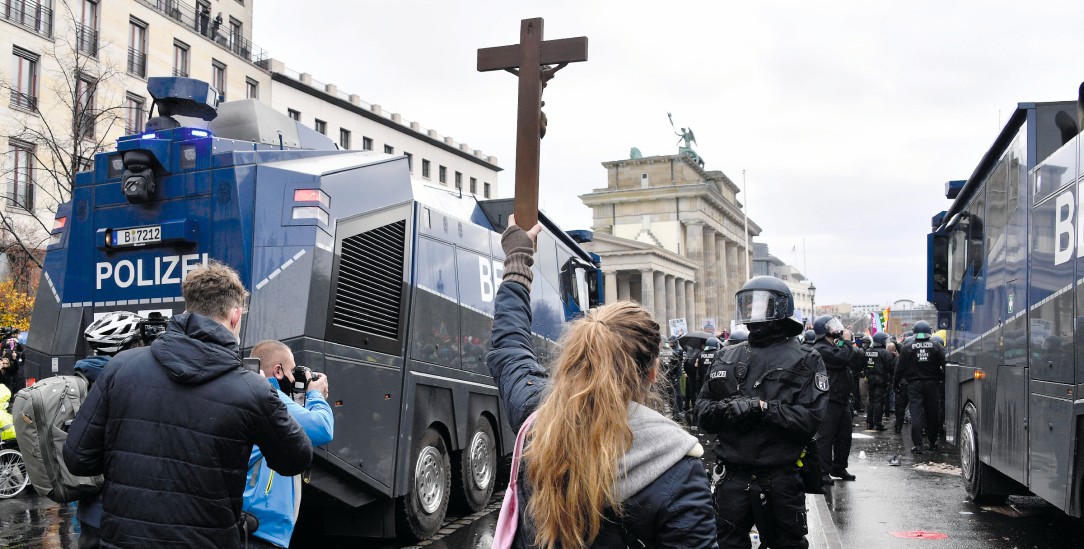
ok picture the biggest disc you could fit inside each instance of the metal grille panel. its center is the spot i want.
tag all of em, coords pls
(370, 285)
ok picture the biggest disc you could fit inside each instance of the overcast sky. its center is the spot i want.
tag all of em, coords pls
(847, 116)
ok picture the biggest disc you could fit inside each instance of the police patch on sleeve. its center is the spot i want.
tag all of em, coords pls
(821, 380)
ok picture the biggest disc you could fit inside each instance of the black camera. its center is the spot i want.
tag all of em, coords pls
(303, 376)
(152, 327)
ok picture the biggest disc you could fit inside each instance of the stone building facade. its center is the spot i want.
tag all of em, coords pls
(671, 236)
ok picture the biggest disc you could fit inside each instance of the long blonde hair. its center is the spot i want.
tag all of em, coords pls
(582, 431)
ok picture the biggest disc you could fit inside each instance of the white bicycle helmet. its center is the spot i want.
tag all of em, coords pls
(113, 332)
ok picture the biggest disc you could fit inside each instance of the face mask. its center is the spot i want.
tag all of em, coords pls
(285, 385)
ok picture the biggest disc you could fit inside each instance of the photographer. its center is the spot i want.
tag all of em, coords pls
(274, 502)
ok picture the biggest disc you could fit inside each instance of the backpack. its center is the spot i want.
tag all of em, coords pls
(42, 414)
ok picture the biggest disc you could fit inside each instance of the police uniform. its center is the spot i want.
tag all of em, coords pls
(879, 374)
(757, 451)
(703, 365)
(922, 366)
(692, 378)
(834, 436)
(674, 371)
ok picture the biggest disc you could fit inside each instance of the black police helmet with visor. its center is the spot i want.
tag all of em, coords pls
(738, 336)
(922, 330)
(880, 339)
(764, 301)
(810, 336)
(827, 326)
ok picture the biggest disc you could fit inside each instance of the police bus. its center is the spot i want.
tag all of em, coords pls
(1005, 273)
(384, 284)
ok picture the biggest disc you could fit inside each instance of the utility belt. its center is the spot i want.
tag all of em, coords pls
(747, 472)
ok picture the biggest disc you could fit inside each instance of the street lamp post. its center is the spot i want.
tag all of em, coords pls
(812, 300)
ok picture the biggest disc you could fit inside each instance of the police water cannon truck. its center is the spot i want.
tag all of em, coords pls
(1005, 265)
(384, 284)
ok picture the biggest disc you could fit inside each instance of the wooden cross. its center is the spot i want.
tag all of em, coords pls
(531, 61)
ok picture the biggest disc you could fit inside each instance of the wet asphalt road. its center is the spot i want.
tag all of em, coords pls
(919, 494)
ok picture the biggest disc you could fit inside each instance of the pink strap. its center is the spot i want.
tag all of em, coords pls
(508, 519)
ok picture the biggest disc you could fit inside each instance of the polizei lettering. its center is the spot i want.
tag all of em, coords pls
(158, 271)
(1067, 235)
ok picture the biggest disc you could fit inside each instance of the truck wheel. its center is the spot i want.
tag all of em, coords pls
(476, 468)
(976, 474)
(422, 510)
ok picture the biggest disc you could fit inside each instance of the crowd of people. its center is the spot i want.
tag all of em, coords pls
(607, 456)
(11, 360)
(604, 468)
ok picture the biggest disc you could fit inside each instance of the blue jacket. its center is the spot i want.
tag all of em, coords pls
(674, 510)
(275, 499)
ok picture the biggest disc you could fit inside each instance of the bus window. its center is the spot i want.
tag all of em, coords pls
(435, 319)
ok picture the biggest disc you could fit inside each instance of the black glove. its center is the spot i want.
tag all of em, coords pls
(518, 255)
(741, 409)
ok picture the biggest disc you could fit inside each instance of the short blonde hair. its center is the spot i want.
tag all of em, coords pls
(212, 290)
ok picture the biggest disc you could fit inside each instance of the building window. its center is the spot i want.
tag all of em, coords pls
(442, 172)
(180, 58)
(218, 78)
(644, 181)
(344, 138)
(388, 149)
(85, 88)
(485, 190)
(86, 30)
(252, 89)
(366, 143)
(137, 48)
(34, 16)
(235, 36)
(134, 110)
(20, 189)
(409, 161)
(320, 126)
(425, 168)
(24, 90)
(458, 181)
(296, 115)
(474, 185)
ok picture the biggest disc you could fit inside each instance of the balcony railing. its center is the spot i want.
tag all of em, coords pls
(204, 25)
(32, 16)
(180, 72)
(137, 63)
(86, 39)
(23, 101)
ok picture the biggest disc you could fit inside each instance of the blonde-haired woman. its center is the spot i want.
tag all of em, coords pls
(600, 468)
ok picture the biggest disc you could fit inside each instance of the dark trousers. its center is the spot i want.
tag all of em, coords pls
(88, 536)
(692, 387)
(774, 502)
(876, 411)
(856, 392)
(925, 410)
(901, 407)
(834, 437)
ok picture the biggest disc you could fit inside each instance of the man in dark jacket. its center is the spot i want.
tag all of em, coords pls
(171, 427)
(834, 437)
(765, 399)
(922, 366)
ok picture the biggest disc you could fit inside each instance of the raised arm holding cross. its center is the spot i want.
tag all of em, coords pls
(535, 62)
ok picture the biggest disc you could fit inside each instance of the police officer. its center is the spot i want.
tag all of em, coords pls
(879, 373)
(738, 336)
(692, 379)
(703, 364)
(922, 366)
(765, 399)
(809, 338)
(834, 437)
(858, 374)
(899, 390)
